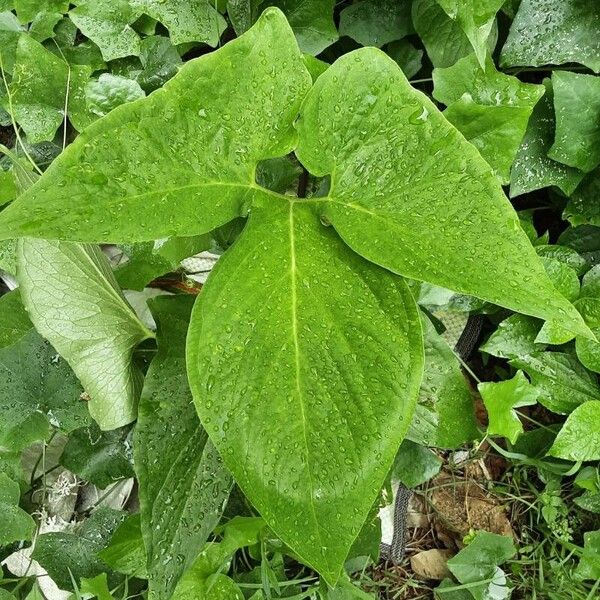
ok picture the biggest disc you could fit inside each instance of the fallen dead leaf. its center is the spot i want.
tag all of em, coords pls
(431, 564)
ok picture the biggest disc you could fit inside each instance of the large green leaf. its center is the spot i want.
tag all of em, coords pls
(577, 109)
(183, 483)
(285, 380)
(36, 387)
(74, 301)
(491, 109)
(408, 193)
(554, 32)
(196, 21)
(476, 19)
(532, 168)
(579, 438)
(182, 161)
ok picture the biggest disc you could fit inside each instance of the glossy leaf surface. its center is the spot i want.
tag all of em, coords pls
(284, 382)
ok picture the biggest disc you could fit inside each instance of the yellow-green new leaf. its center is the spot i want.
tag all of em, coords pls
(305, 377)
(182, 161)
(74, 301)
(410, 194)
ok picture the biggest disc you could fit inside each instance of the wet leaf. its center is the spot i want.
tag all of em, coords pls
(14, 321)
(554, 32)
(583, 207)
(183, 483)
(514, 337)
(405, 190)
(74, 301)
(579, 438)
(408, 58)
(414, 464)
(589, 565)
(126, 552)
(501, 398)
(16, 525)
(312, 327)
(577, 109)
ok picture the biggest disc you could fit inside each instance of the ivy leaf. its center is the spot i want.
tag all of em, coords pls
(14, 321)
(443, 218)
(197, 21)
(577, 108)
(588, 351)
(10, 32)
(107, 23)
(151, 177)
(101, 457)
(41, 86)
(36, 386)
(476, 19)
(160, 60)
(532, 168)
(415, 464)
(183, 483)
(554, 32)
(110, 91)
(42, 14)
(579, 438)
(70, 557)
(444, 416)
(318, 316)
(489, 108)
(443, 38)
(16, 525)
(408, 58)
(311, 21)
(243, 14)
(74, 301)
(376, 22)
(582, 208)
(515, 337)
(563, 383)
(501, 398)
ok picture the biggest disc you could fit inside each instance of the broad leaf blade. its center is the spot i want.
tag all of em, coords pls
(182, 161)
(307, 380)
(183, 483)
(410, 194)
(579, 438)
(74, 301)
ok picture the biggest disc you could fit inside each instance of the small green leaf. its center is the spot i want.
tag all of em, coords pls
(10, 32)
(376, 22)
(107, 23)
(406, 56)
(96, 586)
(583, 208)
(562, 382)
(311, 21)
(201, 581)
(126, 552)
(444, 416)
(532, 169)
(501, 399)
(579, 438)
(443, 218)
(211, 133)
(415, 464)
(36, 386)
(74, 555)
(16, 525)
(443, 38)
(14, 321)
(101, 457)
(489, 108)
(160, 60)
(183, 483)
(8, 187)
(319, 316)
(476, 19)
(110, 91)
(515, 337)
(563, 276)
(41, 86)
(577, 108)
(480, 561)
(197, 21)
(74, 301)
(588, 351)
(554, 32)
(589, 565)
(42, 15)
